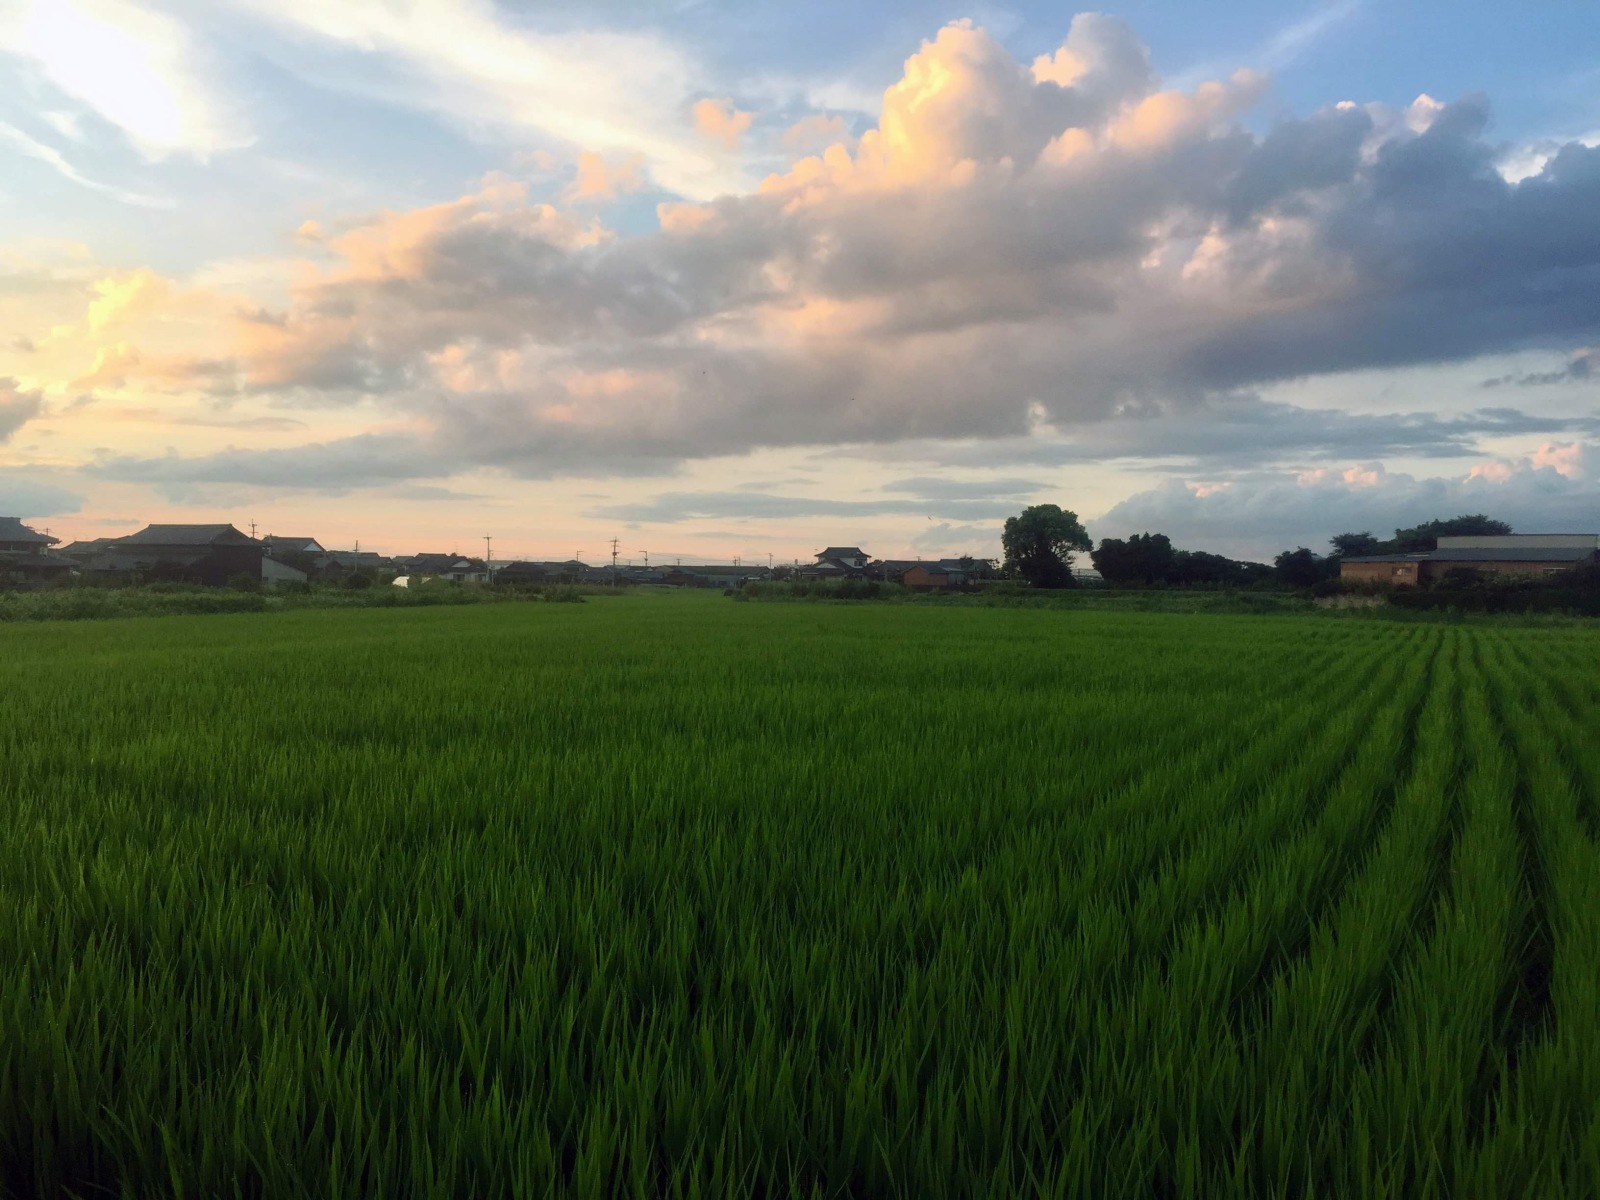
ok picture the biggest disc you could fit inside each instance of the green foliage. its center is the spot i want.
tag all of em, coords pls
(675, 897)
(1303, 569)
(1144, 558)
(1148, 559)
(1039, 545)
(1418, 537)
(1355, 545)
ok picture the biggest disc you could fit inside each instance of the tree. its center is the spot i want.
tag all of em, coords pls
(1301, 568)
(1040, 542)
(1355, 545)
(1426, 535)
(1197, 566)
(1144, 559)
(1418, 538)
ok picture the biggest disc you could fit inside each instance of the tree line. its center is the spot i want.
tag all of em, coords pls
(1042, 542)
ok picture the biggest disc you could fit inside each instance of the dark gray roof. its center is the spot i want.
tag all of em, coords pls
(188, 535)
(1524, 554)
(278, 539)
(13, 530)
(1569, 554)
(842, 552)
(88, 546)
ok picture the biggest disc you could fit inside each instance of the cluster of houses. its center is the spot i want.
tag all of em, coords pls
(220, 555)
(1525, 555)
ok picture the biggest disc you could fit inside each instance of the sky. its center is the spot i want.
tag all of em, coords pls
(724, 279)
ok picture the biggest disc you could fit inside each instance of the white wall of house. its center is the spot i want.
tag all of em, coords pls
(274, 572)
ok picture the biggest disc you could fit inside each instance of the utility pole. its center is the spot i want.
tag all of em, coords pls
(252, 531)
(613, 562)
(646, 554)
(488, 557)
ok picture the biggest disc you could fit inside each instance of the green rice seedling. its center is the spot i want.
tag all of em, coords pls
(1545, 1112)
(667, 896)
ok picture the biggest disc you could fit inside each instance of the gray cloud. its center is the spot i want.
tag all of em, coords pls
(27, 492)
(367, 460)
(671, 507)
(1258, 515)
(1584, 366)
(17, 407)
(1239, 432)
(930, 488)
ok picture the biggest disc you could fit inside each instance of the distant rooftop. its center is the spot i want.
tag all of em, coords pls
(188, 535)
(13, 530)
(1569, 554)
(1517, 541)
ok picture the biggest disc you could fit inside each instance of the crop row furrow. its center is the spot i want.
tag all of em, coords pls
(1568, 704)
(1182, 800)
(1409, 1111)
(1163, 1064)
(1541, 1132)
(1324, 1011)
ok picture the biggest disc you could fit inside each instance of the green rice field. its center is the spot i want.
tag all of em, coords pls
(673, 896)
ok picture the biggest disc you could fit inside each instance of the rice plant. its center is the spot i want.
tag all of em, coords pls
(667, 896)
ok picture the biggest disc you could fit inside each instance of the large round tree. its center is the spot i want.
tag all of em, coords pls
(1039, 544)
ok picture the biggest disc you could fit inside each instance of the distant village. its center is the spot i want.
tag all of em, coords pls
(223, 556)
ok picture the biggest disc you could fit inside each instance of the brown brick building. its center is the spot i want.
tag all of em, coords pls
(1525, 555)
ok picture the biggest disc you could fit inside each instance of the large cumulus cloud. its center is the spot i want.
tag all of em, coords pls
(1061, 241)
(1553, 489)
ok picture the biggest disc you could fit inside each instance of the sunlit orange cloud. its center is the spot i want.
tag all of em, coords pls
(719, 121)
(1160, 120)
(399, 245)
(599, 181)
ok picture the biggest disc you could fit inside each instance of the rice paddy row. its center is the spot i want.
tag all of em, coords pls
(672, 896)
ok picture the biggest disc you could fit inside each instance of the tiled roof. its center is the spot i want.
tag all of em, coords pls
(13, 530)
(188, 535)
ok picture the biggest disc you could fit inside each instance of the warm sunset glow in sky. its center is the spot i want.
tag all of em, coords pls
(728, 279)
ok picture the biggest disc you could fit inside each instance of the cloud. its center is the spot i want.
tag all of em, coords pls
(1293, 40)
(367, 460)
(17, 407)
(945, 540)
(1583, 366)
(36, 149)
(599, 181)
(1554, 489)
(31, 493)
(672, 507)
(720, 122)
(614, 93)
(202, 420)
(816, 132)
(928, 488)
(136, 68)
(1064, 245)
